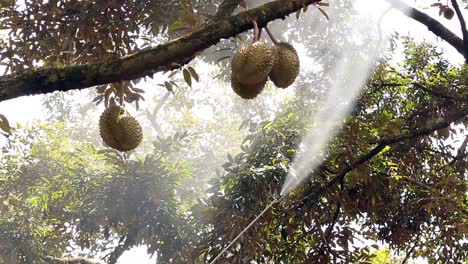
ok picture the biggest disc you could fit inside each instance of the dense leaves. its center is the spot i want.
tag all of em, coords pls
(411, 196)
(60, 195)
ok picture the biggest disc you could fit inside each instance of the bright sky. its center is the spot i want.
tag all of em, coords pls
(24, 109)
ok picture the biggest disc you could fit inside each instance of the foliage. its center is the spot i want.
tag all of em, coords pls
(59, 195)
(411, 195)
(395, 175)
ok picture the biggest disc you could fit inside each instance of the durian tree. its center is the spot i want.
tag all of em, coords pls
(378, 183)
(390, 176)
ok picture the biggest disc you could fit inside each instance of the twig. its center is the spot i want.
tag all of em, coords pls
(271, 35)
(408, 254)
(462, 21)
(334, 220)
(424, 88)
(433, 25)
(460, 156)
(256, 31)
(130, 239)
(436, 93)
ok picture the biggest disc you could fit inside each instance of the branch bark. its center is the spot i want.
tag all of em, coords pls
(168, 56)
(433, 25)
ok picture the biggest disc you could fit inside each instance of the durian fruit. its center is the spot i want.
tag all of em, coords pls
(119, 130)
(252, 63)
(286, 67)
(448, 13)
(247, 91)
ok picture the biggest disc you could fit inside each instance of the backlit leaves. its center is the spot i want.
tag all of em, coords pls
(4, 124)
(189, 73)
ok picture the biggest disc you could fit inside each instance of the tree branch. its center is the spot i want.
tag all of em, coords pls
(426, 130)
(168, 56)
(408, 254)
(329, 229)
(436, 93)
(462, 21)
(54, 260)
(130, 239)
(433, 25)
(226, 8)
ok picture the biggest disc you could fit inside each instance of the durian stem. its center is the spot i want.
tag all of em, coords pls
(271, 35)
(256, 31)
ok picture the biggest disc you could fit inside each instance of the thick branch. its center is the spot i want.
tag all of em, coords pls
(425, 130)
(433, 25)
(167, 56)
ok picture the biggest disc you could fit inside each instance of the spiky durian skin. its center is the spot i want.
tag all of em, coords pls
(119, 130)
(247, 91)
(286, 67)
(252, 63)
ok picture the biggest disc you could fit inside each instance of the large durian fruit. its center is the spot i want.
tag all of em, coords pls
(250, 68)
(252, 63)
(286, 67)
(119, 130)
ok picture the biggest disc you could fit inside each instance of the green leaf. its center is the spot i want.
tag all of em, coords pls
(168, 86)
(187, 77)
(193, 73)
(4, 124)
(269, 124)
(226, 165)
(292, 116)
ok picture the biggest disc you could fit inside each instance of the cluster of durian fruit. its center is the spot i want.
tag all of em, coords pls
(119, 130)
(253, 64)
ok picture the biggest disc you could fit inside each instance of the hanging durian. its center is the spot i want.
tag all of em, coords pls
(286, 67)
(119, 130)
(252, 63)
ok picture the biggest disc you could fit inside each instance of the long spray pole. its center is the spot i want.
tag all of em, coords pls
(277, 200)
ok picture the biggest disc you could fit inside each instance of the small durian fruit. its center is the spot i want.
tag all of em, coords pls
(252, 63)
(247, 91)
(119, 130)
(286, 67)
(448, 13)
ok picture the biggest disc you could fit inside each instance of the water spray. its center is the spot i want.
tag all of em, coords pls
(337, 104)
